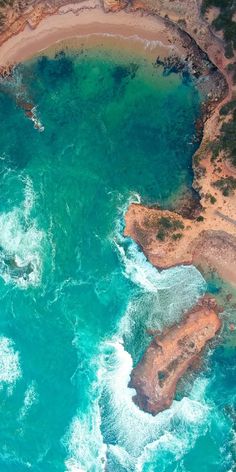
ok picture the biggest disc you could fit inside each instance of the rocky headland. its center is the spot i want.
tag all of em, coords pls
(206, 235)
(169, 239)
(170, 354)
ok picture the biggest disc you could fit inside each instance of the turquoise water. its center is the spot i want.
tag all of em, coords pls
(76, 297)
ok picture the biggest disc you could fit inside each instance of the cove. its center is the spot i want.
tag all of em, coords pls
(74, 318)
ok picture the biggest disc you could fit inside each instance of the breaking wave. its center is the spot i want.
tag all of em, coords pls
(84, 443)
(14, 86)
(159, 296)
(115, 431)
(10, 370)
(139, 435)
(21, 243)
(115, 435)
(30, 398)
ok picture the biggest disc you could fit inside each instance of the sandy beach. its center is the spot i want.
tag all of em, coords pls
(73, 21)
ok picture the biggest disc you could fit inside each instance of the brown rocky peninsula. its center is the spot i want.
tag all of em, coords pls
(167, 238)
(170, 354)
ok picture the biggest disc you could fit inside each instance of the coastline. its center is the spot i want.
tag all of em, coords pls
(208, 244)
(208, 235)
(155, 32)
(88, 20)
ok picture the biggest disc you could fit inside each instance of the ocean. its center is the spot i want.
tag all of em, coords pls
(76, 297)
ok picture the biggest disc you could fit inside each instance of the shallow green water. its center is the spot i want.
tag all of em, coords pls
(74, 317)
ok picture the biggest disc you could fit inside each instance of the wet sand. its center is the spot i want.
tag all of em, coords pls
(78, 22)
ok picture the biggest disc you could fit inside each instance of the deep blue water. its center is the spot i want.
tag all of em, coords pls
(76, 297)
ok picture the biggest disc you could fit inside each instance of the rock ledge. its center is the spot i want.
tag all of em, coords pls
(170, 355)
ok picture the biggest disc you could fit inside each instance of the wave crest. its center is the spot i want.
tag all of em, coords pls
(21, 243)
(10, 370)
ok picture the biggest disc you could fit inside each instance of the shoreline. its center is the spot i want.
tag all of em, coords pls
(87, 22)
(144, 31)
(207, 236)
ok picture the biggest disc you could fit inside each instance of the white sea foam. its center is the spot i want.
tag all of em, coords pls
(137, 269)
(29, 196)
(135, 197)
(37, 123)
(186, 279)
(138, 435)
(22, 246)
(160, 297)
(132, 436)
(84, 443)
(144, 274)
(147, 43)
(30, 398)
(10, 370)
(21, 242)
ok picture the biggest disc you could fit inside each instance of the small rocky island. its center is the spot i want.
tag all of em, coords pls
(170, 354)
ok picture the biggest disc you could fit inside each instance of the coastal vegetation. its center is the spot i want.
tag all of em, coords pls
(228, 133)
(200, 218)
(226, 141)
(224, 22)
(167, 227)
(232, 69)
(4, 4)
(227, 185)
(211, 198)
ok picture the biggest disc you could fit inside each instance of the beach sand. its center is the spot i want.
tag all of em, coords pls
(89, 19)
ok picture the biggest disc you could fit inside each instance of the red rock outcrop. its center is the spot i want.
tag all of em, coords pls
(186, 241)
(170, 355)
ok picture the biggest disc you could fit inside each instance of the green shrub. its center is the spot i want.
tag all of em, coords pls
(227, 185)
(215, 148)
(161, 235)
(168, 225)
(232, 68)
(200, 218)
(177, 236)
(224, 21)
(228, 138)
(197, 159)
(165, 222)
(177, 224)
(229, 107)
